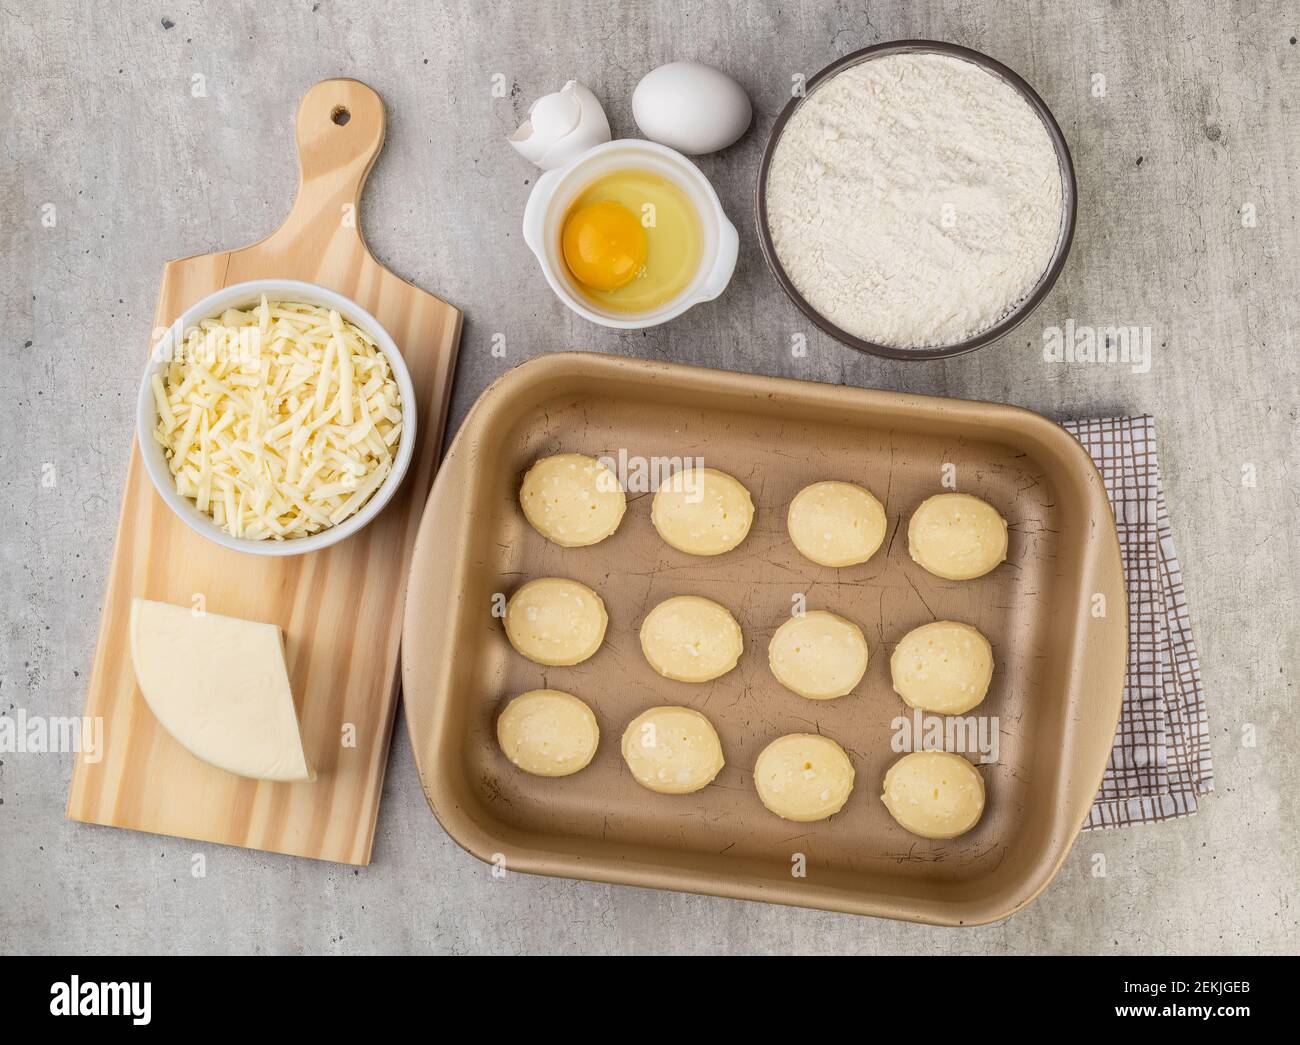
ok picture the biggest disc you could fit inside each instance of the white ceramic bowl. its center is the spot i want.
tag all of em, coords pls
(241, 295)
(556, 190)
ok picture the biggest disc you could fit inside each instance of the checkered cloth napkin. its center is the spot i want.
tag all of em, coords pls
(1160, 763)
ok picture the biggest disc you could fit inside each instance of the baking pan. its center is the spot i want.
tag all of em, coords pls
(1069, 200)
(1055, 613)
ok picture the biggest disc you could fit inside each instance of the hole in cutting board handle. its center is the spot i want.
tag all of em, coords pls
(340, 115)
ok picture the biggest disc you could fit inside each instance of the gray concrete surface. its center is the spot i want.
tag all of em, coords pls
(1197, 121)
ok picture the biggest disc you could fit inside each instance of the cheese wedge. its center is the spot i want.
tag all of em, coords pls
(220, 686)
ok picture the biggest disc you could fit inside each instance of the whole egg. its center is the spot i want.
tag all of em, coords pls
(691, 107)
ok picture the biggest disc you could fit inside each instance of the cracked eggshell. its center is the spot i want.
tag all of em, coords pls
(691, 107)
(561, 126)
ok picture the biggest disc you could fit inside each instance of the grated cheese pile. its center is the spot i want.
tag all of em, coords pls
(279, 421)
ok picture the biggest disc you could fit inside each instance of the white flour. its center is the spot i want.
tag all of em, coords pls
(914, 199)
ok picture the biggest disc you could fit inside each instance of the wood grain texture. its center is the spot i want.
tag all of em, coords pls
(340, 608)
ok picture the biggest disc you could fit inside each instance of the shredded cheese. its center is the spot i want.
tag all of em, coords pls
(280, 421)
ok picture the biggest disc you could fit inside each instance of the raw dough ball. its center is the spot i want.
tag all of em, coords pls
(944, 667)
(555, 621)
(672, 750)
(957, 536)
(572, 499)
(702, 511)
(548, 732)
(691, 639)
(836, 524)
(803, 777)
(819, 655)
(934, 794)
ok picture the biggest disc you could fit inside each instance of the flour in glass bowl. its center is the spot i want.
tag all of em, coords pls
(914, 199)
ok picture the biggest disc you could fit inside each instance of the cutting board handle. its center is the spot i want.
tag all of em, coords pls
(340, 132)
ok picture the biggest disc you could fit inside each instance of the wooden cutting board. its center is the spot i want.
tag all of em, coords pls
(340, 609)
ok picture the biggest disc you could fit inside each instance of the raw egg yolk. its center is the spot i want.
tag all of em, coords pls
(604, 245)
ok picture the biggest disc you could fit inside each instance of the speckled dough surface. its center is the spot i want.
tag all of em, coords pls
(702, 511)
(556, 621)
(957, 536)
(572, 500)
(548, 732)
(691, 639)
(818, 655)
(934, 794)
(672, 750)
(836, 523)
(803, 777)
(944, 667)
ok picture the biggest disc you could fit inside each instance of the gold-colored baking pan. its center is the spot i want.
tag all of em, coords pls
(1055, 613)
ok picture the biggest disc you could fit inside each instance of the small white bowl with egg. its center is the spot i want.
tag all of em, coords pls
(333, 455)
(556, 191)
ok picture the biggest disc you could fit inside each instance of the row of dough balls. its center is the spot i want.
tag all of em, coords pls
(801, 777)
(943, 667)
(576, 501)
